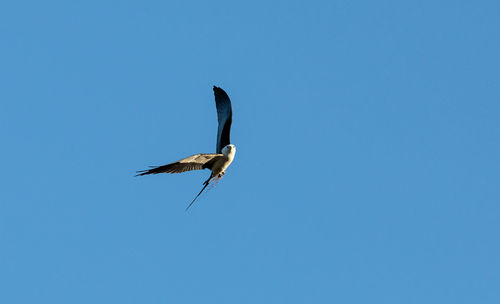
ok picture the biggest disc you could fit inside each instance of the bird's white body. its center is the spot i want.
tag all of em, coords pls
(220, 166)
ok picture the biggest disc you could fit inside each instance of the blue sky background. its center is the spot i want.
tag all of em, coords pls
(367, 170)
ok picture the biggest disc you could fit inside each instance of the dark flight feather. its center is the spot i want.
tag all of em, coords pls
(193, 162)
(224, 117)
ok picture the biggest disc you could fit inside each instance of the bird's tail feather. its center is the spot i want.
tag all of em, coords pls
(205, 184)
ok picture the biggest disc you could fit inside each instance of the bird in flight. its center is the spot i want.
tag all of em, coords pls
(216, 162)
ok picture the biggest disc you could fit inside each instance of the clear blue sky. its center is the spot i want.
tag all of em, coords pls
(367, 169)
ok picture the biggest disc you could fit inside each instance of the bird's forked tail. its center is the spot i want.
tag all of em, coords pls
(205, 184)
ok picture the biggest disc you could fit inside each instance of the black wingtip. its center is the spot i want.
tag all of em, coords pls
(216, 88)
(142, 173)
(220, 92)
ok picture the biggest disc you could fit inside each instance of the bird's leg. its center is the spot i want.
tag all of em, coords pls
(220, 175)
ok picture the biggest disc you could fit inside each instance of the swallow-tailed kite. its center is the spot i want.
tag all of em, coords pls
(218, 162)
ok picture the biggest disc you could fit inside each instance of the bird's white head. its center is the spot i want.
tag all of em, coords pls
(229, 150)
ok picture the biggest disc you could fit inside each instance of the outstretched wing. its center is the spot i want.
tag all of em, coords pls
(195, 162)
(224, 116)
